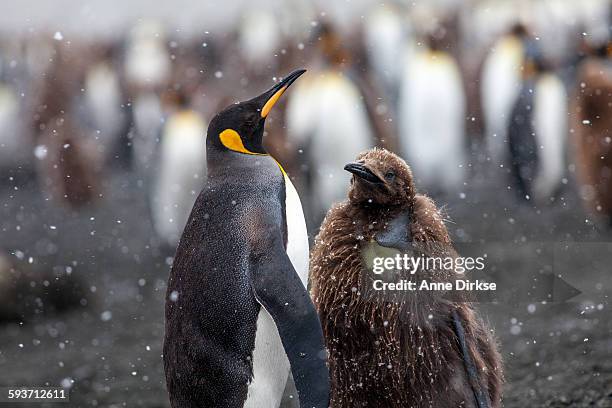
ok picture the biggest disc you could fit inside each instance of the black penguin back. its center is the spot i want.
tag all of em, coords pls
(523, 148)
(211, 310)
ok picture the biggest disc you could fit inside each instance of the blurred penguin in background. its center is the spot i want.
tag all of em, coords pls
(385, 33)
(500, 87)
(181, 170)
(147, 63)
(105, 105)
(537, 131)
(147, 71)
(484, 21)
(295, 19)
(15, 142)
(327, 118)
(68, 163)
(432, 110)
(593, 19)
(592, 130)
(16, 137)
(259, 40)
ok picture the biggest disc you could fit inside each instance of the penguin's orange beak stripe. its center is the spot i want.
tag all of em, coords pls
(272, 101)
(232, 140)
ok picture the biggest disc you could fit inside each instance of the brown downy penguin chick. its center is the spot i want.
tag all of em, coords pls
(592, 125)
(69, 162)
(407, 353)
(66, 164)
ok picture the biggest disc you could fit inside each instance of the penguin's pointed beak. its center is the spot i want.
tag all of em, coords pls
(269, 98)
(362, 171)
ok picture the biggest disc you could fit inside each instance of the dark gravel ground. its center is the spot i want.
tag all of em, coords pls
(108, 350)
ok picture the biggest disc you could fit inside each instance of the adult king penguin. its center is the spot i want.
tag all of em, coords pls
(432, 110)
(537, 131)
(500, 88)
(327, 116)
(239, 319)
(182, 170)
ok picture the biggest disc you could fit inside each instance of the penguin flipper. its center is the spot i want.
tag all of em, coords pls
(280, 292)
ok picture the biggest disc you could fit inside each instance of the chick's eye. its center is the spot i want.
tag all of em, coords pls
(389, 175)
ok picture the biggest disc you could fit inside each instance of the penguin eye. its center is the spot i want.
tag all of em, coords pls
(389, 176)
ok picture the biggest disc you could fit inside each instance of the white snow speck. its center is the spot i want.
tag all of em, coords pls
(106, 315)
(67, 382)
(58, 36)
(40, 152)
(174, 295)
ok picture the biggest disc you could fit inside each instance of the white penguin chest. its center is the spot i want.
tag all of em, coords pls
(270, 363)
(297, 235)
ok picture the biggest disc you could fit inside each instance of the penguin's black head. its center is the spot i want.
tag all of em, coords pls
(380, 178)
(240, 127)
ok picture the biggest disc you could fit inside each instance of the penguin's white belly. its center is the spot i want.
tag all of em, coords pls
(342, 132)
(14, 146)
(297, 235)
(328, 115)
(270, 366)
(148, 63)
(384, 35)
(147, 110)
(103, 98)
(500, 87)
(270, 363)
(550, 128)
(259, 38)
(181, 176)
(433, 104)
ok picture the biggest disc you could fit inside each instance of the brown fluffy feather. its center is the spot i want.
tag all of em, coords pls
(592, 124)
(386, 354)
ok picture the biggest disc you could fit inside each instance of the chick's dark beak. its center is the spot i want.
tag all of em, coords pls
(361, 171)
(269, 98)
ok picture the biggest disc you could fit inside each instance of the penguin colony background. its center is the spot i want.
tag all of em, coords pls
(516, 97)
(398, 82)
